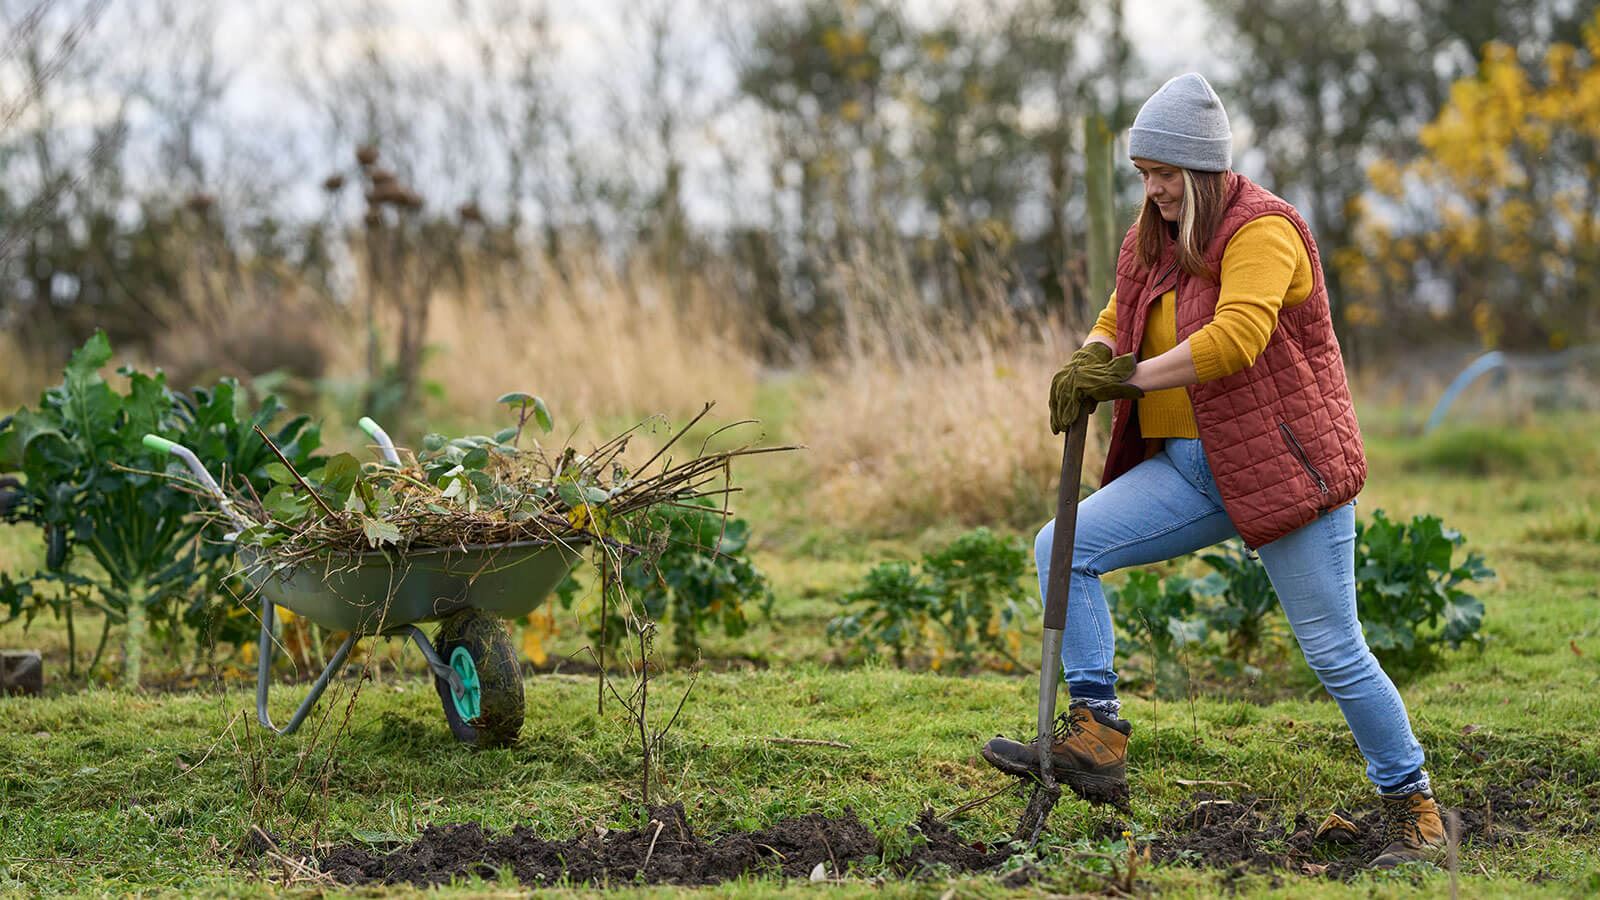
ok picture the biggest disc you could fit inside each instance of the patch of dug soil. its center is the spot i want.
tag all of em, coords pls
(666, 850)
(1247, 834)
(943, 847)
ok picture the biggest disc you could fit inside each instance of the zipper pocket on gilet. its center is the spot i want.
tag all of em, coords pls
(1305, 459)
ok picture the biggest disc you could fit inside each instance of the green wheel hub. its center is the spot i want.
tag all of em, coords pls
(469, 701)
(477, 648)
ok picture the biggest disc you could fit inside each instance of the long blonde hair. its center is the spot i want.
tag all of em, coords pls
(1203, 196)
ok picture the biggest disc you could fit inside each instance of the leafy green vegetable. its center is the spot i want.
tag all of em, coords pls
(92, 487)
(1411, 595)
(1245, 599)
(702, 578)
(897, 602)
(1158, 618)
(1411, 592)
(967, 599)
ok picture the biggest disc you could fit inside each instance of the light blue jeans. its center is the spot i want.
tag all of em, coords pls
(1168, 506)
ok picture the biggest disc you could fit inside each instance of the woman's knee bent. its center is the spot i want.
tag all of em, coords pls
(1042, 543)
(1044, 546)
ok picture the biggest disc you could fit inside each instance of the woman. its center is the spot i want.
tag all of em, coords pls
(1236, 419)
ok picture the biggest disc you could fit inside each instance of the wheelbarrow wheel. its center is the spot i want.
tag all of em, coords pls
(478, 647)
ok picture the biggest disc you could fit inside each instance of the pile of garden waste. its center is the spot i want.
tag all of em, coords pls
(472, 491)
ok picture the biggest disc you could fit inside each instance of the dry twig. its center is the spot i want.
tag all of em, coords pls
(808, 742)
(971, 805)
(1204, 782)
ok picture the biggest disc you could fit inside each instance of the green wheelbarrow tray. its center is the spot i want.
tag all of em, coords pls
(387, 594)
(377, 592)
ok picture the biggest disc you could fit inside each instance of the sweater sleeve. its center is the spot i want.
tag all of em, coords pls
(1105, 325)
(1257, 268)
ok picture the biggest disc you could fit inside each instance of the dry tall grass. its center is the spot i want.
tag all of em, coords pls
(963, 438)
(926, 419)
(241, 320)
(27, 372)
(597, 344)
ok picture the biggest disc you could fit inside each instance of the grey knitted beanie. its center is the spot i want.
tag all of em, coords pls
(1183, 124)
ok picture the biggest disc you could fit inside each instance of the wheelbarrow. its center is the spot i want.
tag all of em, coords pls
(467, 589)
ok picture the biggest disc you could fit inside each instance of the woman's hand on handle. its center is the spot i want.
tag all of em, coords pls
(1091, 375)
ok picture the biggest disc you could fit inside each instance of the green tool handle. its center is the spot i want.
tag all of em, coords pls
(381, 438)
(164, 445)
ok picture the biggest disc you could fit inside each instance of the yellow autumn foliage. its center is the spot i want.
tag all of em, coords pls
(1499, 206)
(536, 629)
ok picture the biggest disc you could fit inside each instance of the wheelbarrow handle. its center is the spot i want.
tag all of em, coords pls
(1055, 602)
(385, 445)
(163, 445)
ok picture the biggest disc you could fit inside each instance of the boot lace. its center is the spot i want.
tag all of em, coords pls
(1068, 725)
(1400, 822)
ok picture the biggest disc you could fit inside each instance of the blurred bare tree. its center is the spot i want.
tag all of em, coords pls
(54, 173)
(819, 73)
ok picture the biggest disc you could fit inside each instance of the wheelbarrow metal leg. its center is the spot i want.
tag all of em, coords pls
(264, 650)
(264, 673)
(435, 662)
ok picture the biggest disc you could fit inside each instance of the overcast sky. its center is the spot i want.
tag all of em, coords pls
(269, 122)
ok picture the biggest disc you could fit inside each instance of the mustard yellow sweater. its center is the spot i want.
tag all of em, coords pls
(1265, 268)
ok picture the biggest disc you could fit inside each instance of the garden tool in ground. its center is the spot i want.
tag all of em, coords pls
(1089, 752)
(1046, 792)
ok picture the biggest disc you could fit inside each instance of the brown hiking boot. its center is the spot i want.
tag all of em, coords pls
(1413, 829)
(1089, 750)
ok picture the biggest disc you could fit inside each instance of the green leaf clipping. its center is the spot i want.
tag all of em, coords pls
(339, 474)
(541, 414)
(379, 532)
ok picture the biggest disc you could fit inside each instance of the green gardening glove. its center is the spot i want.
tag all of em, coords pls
(1065, 402)
(1116, 387)
(1090, 375)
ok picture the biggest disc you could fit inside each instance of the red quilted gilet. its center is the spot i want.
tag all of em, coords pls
(1281, 435)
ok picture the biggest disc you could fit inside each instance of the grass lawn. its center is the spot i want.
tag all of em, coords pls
(106, 791)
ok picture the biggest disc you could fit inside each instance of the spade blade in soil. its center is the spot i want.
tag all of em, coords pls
(1033, 818)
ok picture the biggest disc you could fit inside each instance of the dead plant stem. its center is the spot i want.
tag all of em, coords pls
(674, 439)
(1452, 845)
(600, 682)
(971, 805)
(809, 742)
(644, 709)
(212, 749)
(290, 466)
(681, 701)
